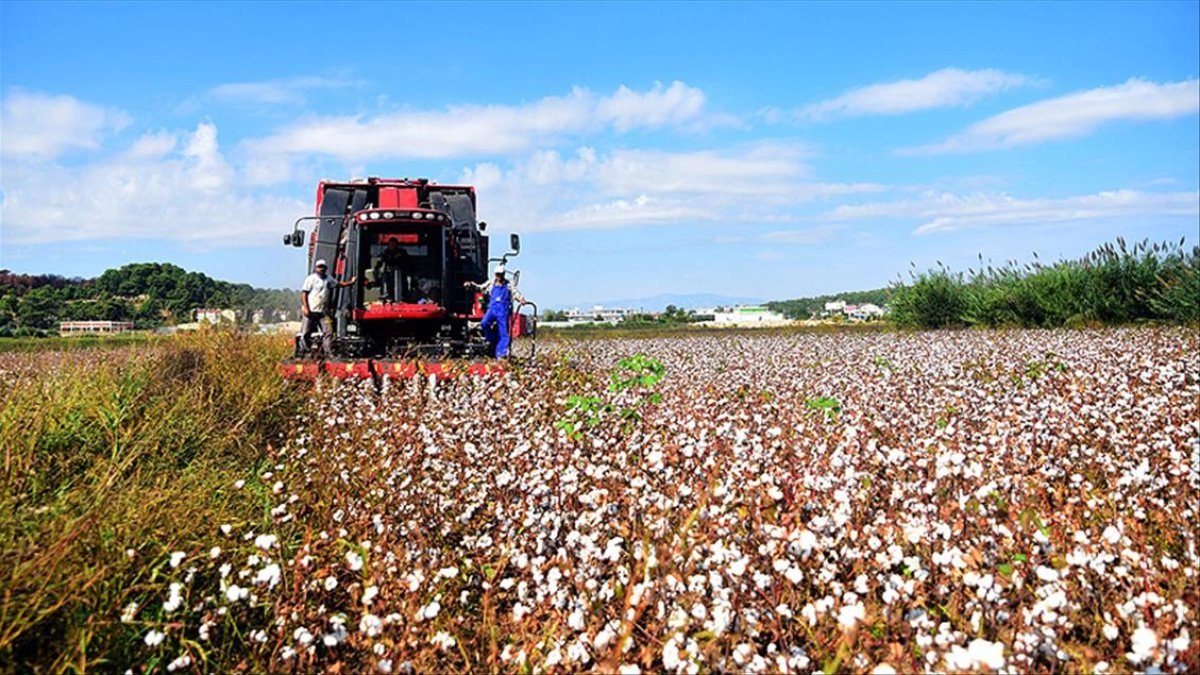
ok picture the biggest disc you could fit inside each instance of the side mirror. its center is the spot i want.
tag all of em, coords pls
(482, 226)
(514, 242)
(517, 279)
(298, 239)
(287, 240)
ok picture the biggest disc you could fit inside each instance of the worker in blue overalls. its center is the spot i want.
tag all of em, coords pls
(499, 311)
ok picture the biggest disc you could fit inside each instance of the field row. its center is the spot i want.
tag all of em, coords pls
(1018, 500)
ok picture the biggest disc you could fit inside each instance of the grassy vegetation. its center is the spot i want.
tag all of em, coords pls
(1115, 284)
(54, 344)
(114, 460)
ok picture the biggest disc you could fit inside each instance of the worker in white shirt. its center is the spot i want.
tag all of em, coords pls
(316, 298)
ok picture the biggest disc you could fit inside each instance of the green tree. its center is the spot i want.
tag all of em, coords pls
(40, 309)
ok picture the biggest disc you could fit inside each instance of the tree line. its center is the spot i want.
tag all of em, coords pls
(807, 308)
(148, 294)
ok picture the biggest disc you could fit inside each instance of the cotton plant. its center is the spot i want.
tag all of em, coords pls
(959, 512)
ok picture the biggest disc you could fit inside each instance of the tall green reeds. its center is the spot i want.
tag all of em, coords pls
(1115, 284)
(114, 459)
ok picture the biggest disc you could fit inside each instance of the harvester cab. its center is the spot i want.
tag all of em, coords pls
(401, 252)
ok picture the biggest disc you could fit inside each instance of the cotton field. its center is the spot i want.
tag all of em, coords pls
(891, 502)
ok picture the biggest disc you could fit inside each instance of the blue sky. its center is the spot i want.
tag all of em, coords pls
(770, 150)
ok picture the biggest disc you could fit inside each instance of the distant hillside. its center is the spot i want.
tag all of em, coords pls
(657, 303)
(148, 294)
(804, 308)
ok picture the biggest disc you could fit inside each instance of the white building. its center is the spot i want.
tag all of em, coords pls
(213, 316)
(835, 307)
(749, 316)
(864, 311)
(598, 314)
(81, 327)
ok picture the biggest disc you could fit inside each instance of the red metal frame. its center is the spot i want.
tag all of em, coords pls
(399, 310)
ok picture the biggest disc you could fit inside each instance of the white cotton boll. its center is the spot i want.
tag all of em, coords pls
(629, 669)
(741, 653)
(1046, 573)
(175, 598)
(154, 638)
(331, 583)
(604, 637)
(989, 654)
(670, 654)
(738, 567)
(519, 611)
(177, 558)
(235, 593)
(1143, 644)
(430, 611)
(448, 572)
(179, 663)
(849, 615)
(807, 541)
(268, 575)
(371, 625)
(575, 620)
(1110, 632)
(809, 612)
(239, 483)
(794, 574)
(354, 560)
(226, 529)
(1111, 534)
(958, 659)
(265, 541)
(442, 641)
(368, 595)
(884, 668)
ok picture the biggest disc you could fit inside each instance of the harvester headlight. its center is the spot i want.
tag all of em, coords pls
(389, 215)
(374, 215)
(362, 217)
(418, 215)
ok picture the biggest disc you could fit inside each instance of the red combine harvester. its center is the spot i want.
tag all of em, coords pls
(409, 246)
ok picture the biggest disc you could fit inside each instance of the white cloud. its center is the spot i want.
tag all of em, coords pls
(949, 87)
(152, 145)
(803, 237)
(466, 130)
(1074, 115)
(947, 212)
(44, 126)
(631, 188)
(627, 109)
(284, 91)
(157, 189)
